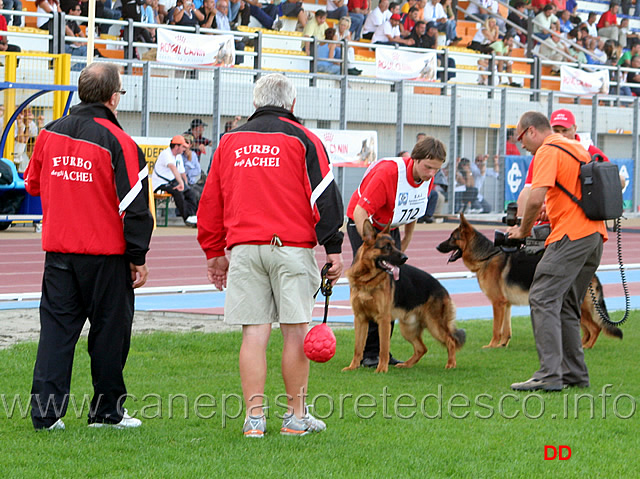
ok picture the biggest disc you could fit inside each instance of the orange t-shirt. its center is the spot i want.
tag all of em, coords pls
(552, 164)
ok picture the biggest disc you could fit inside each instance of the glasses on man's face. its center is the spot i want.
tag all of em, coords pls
(521, 135)
(122, 92)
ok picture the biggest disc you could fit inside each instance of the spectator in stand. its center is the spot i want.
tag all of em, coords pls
(520, 19)
(426, 36)
(504, 48)
(627, 55)
(485, 36)
(466, 192)
(293, 8)
(150, 16)
(343, 33)
(337, 9)
(236, 12)
(559, 4)
(564, 19)
(266, 14)
(13, 5)
(608, 25)
(131, 9)
(208, 11)
(222, 23)
(573, 39)
(591, 24)
(5, 46)
(634, 77)
(538, 5)
(389, 32)
(434, 12)
(164, 7)
(572, 8)
(394, 7)
(482, 11)
(552, 49)
(315, 28)
(375, 18)
(544, 19)
(46, 6)
(329, 51)
(596, 56)
(512, 148)
(358, 10)
(169, 175)
(418, 37)
(72, 29)
(410, 21)
(197, 131)
(186, 14)
(344, 26)
(405, 7)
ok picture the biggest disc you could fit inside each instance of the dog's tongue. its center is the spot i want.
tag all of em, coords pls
(395, 271)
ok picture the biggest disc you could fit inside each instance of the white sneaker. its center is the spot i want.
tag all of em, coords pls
(58, 425)
(127, 422)
(192, 220)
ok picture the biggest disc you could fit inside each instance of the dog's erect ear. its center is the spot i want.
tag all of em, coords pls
(369, 234)
(387, 228)
(463, 220)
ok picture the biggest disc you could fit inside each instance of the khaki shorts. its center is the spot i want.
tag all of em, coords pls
(268, 284)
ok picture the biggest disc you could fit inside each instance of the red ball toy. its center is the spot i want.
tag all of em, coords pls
(320, 343)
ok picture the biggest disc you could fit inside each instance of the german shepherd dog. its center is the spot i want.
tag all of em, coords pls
(505, 278)
(414, 297)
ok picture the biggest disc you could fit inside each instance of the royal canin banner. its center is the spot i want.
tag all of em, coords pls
(394, 64)
(359, 147)
(580, 82)
(190, 49)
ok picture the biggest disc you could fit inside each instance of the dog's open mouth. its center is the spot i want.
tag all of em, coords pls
(455, 255)
(389, 268)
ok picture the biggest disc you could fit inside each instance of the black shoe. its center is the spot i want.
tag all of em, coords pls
(393, 361)
(354, 71)
(536, 385)
(370, 362)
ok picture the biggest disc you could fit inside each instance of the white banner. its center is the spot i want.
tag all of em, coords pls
(359, 146)
(190, 49)
(394, 64)
(580, 82)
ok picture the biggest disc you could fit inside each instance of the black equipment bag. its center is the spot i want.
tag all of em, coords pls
(601, 189)
(6, 174)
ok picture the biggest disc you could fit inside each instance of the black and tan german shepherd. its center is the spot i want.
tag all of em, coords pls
(414, 297)
(505, 278)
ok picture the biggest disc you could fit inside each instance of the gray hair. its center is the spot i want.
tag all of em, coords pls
(274, 90)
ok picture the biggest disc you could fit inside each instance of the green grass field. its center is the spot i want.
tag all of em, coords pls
(420, 422)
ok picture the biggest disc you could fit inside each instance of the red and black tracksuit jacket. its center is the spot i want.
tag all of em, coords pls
(271, 176)
(93, 181)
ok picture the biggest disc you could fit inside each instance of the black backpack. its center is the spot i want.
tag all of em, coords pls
(601, 188)
(6, 174)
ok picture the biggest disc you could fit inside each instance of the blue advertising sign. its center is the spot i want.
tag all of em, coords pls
(626, 168)
(515, 168)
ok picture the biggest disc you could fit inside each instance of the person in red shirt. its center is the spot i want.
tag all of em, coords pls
(512, 149)
(608, 23)
(393, 191)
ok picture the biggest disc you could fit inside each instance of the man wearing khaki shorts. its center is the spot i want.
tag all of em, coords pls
(270, 198)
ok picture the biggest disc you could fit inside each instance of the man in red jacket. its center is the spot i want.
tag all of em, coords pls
(270, 198)
(92, 179)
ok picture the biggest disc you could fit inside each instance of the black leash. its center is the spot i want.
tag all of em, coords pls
(326, 289)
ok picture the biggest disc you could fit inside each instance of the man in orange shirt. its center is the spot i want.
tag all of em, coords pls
(572, 255)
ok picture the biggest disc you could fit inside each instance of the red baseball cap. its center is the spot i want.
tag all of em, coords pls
(562, 118)
(396, 16)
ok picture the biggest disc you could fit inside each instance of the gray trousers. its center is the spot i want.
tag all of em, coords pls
(559, 285)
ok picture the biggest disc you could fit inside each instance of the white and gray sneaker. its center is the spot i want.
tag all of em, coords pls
(292, 426)
(192, 220)
(58, 425)
(126, 422)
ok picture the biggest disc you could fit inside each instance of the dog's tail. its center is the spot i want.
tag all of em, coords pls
(609, 329)
(460, 336)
